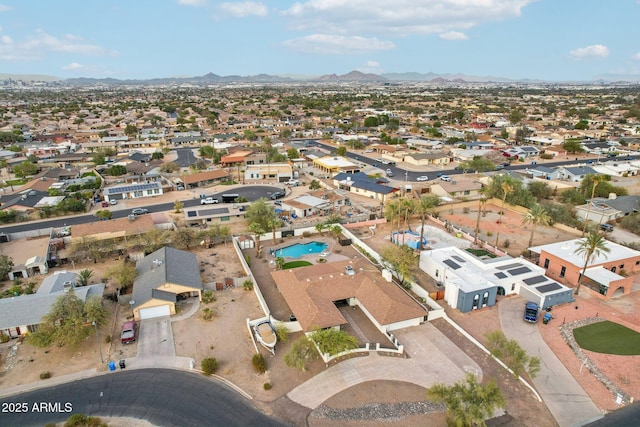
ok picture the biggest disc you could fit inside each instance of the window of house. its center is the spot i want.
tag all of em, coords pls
(138, 193)
(563, 271)
(546, 263)
(156, 191)
(467, 192)
(513, 286)
(621, 266)
(437, 273)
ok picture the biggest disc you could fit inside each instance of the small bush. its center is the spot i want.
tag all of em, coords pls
(247, 285)
(44, 375)
(208, 297)
(4, 337)
(306, 234)
(321, 260)
(259, 363)
(267, 386)
(489, 233)
(247, 258)
(107, 339)
(209, 365)
(466, 210)
(506, 243)
(207, 314)
(81, 420)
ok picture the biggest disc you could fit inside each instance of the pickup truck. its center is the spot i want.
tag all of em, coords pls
(531, 311)
(208, 201)
(128, 334)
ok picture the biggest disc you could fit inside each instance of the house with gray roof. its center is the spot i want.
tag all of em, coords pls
(544, 172)
(601, 210)
(164, 277)
(363, 185)
(575, 173)
(22, 314)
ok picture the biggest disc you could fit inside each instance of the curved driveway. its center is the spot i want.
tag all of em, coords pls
(433, 358)
(569, 404)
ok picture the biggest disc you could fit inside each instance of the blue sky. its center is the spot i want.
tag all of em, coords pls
(555, 40)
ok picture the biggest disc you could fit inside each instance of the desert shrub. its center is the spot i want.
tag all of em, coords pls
(259, 363)
(506, 243)
(81, 420)
(208, 297)
(247, 258)
(306, 234)
(466, 210)
(209, 365)
(207, 314)
(247, 285)
(282, 332)
(546, 156)
(44, 375)
(267, 386)
(107, 339)
(489, 233)
(4, 337)
(321, 260)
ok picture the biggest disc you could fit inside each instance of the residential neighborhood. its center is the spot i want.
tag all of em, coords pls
(379, 243)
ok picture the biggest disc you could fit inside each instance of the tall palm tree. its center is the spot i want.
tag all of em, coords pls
(392, 213)
(591, 246)
(506, 189)
(537, 215)
(481, 201)
(595, 180)
(408, 207)
(424, 206)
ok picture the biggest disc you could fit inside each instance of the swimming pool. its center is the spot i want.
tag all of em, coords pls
(298, 250)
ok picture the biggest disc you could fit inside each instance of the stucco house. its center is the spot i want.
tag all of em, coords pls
(163, 277)
(602, 277)
(601, 210)
(361, 184)
(22, 314)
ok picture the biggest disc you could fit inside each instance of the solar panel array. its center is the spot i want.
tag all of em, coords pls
(535, 280)
(518, 271)
(459, 259)
(451, 264)
(508, 266)
(135, 187)
(500, 275)
(549, 287)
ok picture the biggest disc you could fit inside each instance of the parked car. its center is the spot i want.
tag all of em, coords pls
(277, 195)
(445, 178)
(389, 172)
(105, 204)
(139, 211)
(113, 202)
(128, 334)
(422, 178)
(209, 201)
(349, 271)
(606, 227)
(531, 312)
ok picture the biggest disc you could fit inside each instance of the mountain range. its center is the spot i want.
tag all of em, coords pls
(351, 77)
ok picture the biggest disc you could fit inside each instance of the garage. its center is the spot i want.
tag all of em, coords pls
(153, 312)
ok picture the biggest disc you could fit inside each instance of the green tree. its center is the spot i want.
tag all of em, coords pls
(537, 215)
(68, 322)
(332, 342)
(341, 151)
(130, 130)
(582, 125)
(515, 116)
(573, 146)
(400, 260)
(514, 356)
(573, 197)
(116, 170)
(6, 265)
(260, 212)
(540, 190)
(103, 214)
(158, 155)
(250, 135)
(207, 151)
(292, 153)
(468, 403)
(591, 247)
(184, 238)
(279, 262)
(170, 167)
(425, 206)
(371, 122)
(392, 213)
(314, 184)
(302, 351)
(125, 273)
(478, 163)
(177, 206)
(84, 276)
(24, 169)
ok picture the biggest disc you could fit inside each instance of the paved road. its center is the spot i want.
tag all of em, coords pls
(251, 192)
(161, 396)
(156, 338)
(569, 404)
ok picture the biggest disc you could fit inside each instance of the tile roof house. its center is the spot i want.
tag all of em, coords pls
(204, 178)
(162, 276)
(22, 314)
(311, 293)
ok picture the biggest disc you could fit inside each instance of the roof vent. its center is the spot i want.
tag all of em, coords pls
(67, 286)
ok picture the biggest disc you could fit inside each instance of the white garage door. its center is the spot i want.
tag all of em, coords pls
(150, 313)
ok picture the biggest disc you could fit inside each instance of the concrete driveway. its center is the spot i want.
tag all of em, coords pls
(567, 401)
(155, 338)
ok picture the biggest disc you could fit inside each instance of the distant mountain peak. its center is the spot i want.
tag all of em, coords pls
(352, 76)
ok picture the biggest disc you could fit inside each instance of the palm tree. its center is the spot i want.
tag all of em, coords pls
(425, 205)
(481, 201)
(273, 224)
(591, 247)
(257, 229)
(84, 276)
(506, 189)
(392, 213)
(408, 207)
(595, 180)
(537, 215)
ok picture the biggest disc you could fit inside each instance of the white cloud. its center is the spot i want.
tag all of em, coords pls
(403, 17)
(5, 8)
(372, 67)
(41, 43)
(192, 2)
(593, 51)
(637, 55)
(73, 66)
(334, 44)
(453, 35)
(244, 9)
(87, 69)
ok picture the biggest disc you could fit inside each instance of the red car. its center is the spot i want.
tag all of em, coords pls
(128, 334)
(105, 204)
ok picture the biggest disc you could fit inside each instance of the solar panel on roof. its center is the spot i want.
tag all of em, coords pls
(451, 264)
(192, 213)
(500, 275)
(457, 258)
(217, 211)
(518, 271)
(535, 280)
(508, 266)
(550, 287)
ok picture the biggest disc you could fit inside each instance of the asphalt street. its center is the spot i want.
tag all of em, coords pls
(251, 192)
(163, 397)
